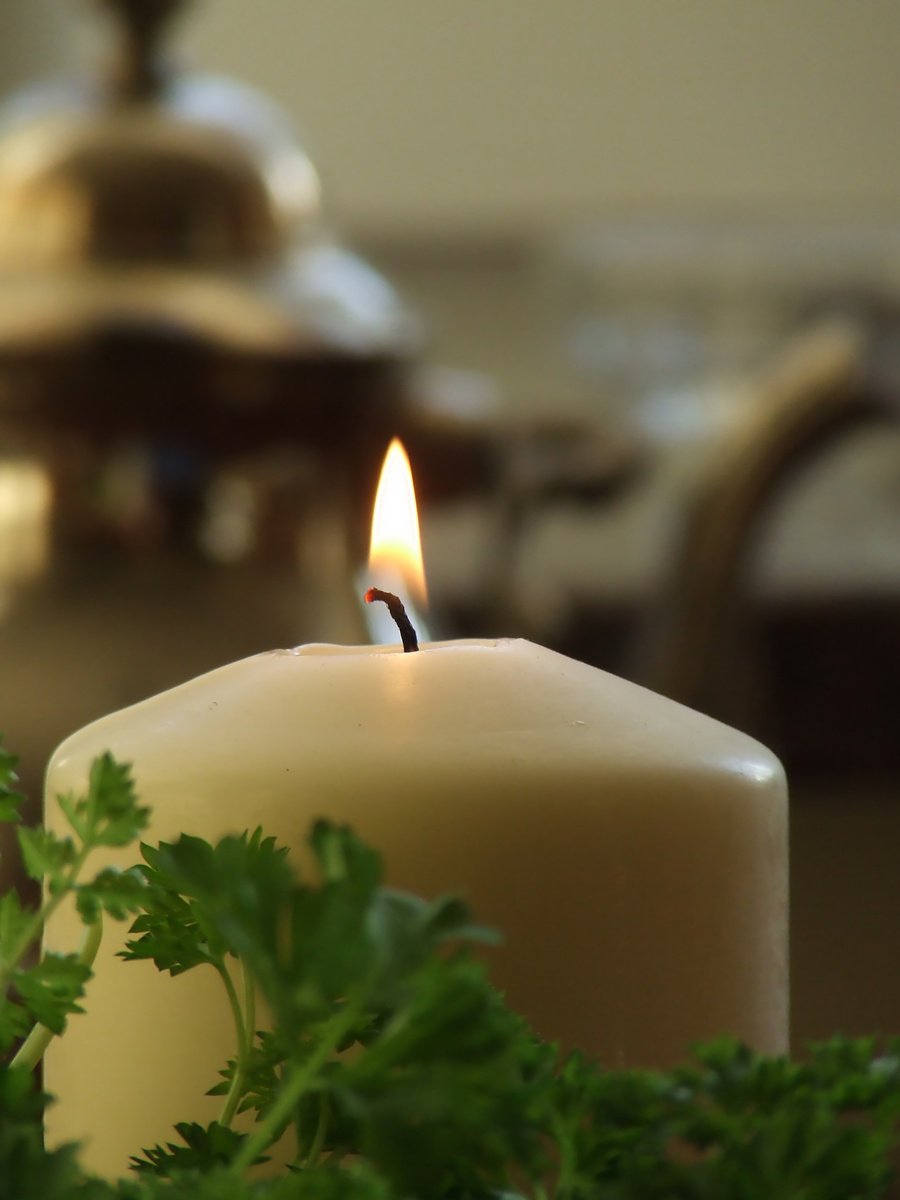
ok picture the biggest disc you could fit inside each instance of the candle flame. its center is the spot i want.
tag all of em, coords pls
(395, 548)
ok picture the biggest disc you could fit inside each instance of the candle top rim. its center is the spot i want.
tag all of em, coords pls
(334, 649)
(504, 700)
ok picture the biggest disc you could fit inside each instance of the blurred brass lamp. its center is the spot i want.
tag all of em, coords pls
(196, 386)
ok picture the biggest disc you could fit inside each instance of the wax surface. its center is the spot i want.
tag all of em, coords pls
(632, 851)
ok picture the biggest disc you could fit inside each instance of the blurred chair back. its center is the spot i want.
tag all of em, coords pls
(693, 644)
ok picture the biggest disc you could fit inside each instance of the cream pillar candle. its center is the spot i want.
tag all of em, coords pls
(633, 852)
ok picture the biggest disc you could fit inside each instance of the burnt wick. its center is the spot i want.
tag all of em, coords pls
(398, 612)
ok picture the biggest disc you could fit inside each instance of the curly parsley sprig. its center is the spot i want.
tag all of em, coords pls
(342, 962)
(37, 999)
(391, 1059)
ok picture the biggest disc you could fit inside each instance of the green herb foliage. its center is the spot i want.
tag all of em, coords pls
(39, 994)
(392, 1063)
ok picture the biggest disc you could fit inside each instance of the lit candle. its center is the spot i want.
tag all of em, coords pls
(395, 548)
(633, 852)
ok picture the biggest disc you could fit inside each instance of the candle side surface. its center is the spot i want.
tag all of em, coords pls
(632, 852)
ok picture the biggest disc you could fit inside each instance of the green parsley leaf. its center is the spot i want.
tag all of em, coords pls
(52, 988)
(186, 883)
(28, 1171)
(199, 1147)
(14, 923)
(46, 857)
(15, 1021)
(262, 1074)
(106, 815)
(109, 815)
(117, 893)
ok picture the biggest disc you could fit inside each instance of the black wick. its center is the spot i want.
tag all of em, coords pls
(398, 612)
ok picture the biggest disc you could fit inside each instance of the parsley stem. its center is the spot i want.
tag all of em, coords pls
(249, 1009)
(298, 1079)
(236, 1087)
(32, 1049)
(312, 1155)
(566, 1179)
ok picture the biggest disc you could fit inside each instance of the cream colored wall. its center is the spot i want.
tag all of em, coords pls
(33, 37)
(496, 113)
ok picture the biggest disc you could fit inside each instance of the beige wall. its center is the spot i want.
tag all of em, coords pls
(461, 113)
(33, 36)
